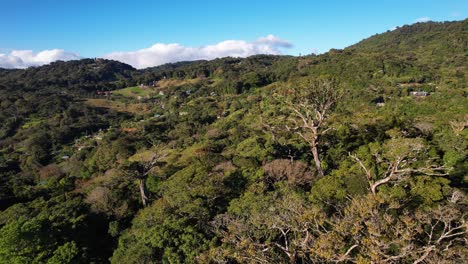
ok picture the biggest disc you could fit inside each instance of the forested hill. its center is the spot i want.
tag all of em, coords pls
(411, 50)
(355, 155)
(85, 74)
(443, 37)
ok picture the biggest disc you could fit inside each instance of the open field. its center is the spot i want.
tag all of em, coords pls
(137, 108)
(135, 91)
(166, 83)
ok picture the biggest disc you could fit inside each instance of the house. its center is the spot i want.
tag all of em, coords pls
(419, 93)
(80, 147)
(106, 93)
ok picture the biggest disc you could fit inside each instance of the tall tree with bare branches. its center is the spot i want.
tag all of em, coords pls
(395, 161)
(140, 166)
(309, 107)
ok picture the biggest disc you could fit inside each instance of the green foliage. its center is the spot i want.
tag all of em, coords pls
(64, 254)
(159, 233)
(223, 174)
(430, 190)
(44, 231)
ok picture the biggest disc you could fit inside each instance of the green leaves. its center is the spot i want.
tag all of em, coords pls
(34, 232)
(67, 253)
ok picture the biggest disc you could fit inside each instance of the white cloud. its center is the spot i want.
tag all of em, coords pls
(157, 54)
(455, 14)
(161, 53)
(27, 58)
(273, 40)
(422, 19)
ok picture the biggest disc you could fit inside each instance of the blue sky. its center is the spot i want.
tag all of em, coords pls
(98, 28)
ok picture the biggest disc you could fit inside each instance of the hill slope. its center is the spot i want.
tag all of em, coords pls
(268, 159)
(85, 74)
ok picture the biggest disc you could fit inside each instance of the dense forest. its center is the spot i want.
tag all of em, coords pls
(352, 156)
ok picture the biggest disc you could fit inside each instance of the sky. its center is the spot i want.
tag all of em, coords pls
(150, 33)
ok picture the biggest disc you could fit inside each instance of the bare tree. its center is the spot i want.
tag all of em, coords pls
(310, 107)
(459, 125)
(140, 166)
(280, 232)
(49, 171)
(367, 229)
(297, 173)
(396, 160)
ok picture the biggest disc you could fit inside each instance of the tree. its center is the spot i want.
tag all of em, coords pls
(114, 196)
(371, 231)
(296, 173)
(459, 125)
(47, 231)
(275, 227)
(395, 161)
(175, 228)
(140, 167)
(309, 108)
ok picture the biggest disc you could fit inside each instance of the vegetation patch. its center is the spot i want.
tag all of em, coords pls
(133, 108)
(135, 91)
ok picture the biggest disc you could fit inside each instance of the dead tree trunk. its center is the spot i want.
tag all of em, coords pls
(143, 192)
(317, 161)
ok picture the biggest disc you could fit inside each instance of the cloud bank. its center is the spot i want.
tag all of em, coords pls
(155, 55)
(161, 53)
(27, 58)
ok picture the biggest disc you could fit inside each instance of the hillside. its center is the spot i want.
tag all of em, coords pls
(355, 155)
(85, 74)
(447, 38)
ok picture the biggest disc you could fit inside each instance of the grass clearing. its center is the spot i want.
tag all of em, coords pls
(137, 108)
(166, 83)
(135, 91)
